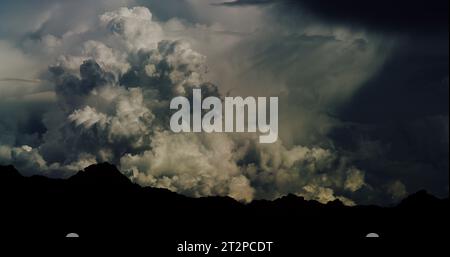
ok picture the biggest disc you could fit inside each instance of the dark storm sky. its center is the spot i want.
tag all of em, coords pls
(365, 80)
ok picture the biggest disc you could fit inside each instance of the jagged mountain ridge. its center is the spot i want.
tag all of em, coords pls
(101, 202)
(105, 176)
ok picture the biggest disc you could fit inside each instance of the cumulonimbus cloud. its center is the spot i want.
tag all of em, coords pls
(112, 105)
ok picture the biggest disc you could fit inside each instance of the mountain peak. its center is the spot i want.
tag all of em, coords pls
(9, 172)
(100, 174)
(419, 199)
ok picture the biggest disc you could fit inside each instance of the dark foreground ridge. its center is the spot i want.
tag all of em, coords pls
(101, 203)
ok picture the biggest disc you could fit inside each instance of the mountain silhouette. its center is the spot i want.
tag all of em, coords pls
(100, 202)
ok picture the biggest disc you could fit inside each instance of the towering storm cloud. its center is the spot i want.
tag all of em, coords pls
(98, 90)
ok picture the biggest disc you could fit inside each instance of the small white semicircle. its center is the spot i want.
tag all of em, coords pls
(72, 235)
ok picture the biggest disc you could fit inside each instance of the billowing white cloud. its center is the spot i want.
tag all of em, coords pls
(113, 82)
(193, 164)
